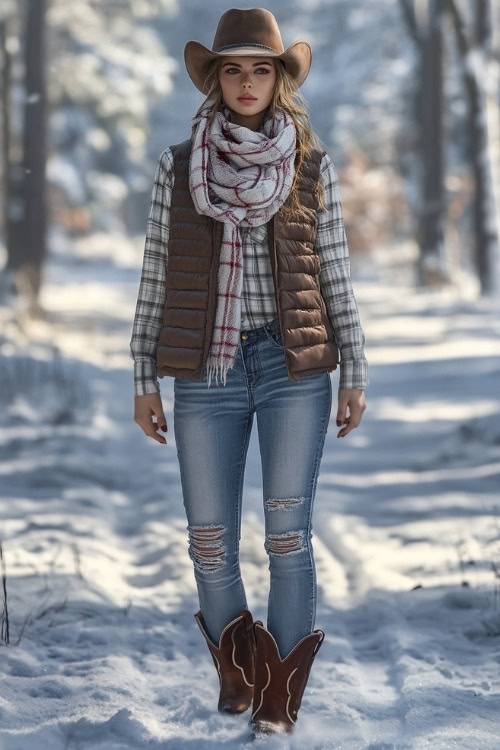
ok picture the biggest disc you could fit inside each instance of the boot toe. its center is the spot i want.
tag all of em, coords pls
(261, 726)
(234, 705)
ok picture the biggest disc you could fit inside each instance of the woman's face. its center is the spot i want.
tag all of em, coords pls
(251, 76)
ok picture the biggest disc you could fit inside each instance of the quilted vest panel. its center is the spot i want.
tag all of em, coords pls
(193, 257)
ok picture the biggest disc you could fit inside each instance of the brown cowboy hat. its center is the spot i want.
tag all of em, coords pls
(253, 31)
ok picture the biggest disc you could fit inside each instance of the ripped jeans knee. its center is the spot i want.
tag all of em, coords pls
(289, 543)
(206, 548)
(285, 503)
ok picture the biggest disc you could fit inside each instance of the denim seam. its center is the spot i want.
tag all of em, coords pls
(251, 404)
(244, 449)
(317, 459)
(258, 363)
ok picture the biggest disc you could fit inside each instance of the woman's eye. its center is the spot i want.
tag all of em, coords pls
(230, 70)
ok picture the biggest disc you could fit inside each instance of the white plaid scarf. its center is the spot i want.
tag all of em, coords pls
(251, 173)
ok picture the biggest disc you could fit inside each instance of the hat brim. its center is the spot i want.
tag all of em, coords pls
(297, 59)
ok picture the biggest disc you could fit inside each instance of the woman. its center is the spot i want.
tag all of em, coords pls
(246, 278)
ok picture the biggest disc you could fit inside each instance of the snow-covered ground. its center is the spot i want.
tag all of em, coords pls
(104, 650)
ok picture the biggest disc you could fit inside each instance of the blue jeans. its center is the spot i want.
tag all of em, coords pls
(212, 429)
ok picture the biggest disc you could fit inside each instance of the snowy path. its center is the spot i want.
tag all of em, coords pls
(104, 649)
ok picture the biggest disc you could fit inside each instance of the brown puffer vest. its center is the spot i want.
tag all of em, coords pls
(193, 257)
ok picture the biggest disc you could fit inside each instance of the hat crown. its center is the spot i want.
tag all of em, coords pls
(251, 27)
(247, 32)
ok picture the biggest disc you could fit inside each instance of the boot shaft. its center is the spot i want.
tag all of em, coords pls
(280, 683)
(236, 647)
(234, 659)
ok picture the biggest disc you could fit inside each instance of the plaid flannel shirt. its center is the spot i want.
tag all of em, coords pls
(258, 304)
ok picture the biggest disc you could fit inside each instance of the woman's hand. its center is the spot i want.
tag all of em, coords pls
(147, 407)
(354, 398)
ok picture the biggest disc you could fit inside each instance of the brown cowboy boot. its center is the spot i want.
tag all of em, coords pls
(234, 659)
(280, 683)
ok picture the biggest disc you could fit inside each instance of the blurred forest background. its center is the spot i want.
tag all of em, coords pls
(404, 93)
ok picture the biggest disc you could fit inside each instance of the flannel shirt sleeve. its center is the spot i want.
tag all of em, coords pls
(335, 278)
(152, 286)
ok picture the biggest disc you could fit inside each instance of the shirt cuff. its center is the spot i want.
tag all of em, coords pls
(145, 380)
(353, 373)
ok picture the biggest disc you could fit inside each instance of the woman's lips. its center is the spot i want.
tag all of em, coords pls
(246, 99)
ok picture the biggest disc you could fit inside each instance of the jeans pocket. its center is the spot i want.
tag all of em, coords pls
(274, 337)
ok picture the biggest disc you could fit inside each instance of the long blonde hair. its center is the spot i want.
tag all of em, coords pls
(287, 97)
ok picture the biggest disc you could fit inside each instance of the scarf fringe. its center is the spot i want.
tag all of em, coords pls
(217, 369)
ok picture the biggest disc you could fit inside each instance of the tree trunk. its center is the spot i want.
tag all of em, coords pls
(432, 268)
(24, 149)
(474, 51)
(35, 149)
